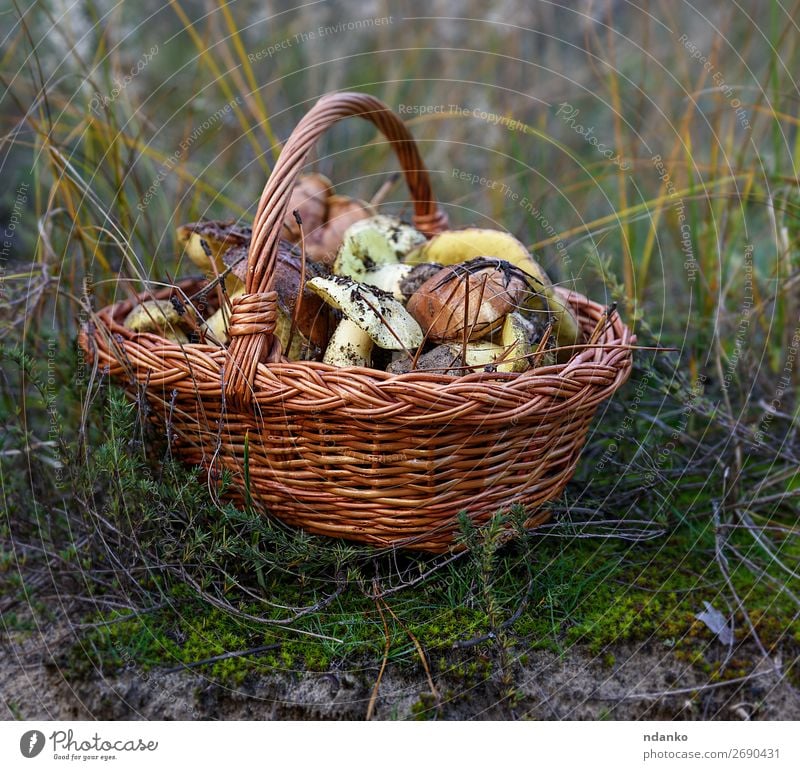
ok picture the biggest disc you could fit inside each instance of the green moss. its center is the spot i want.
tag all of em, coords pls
(534, 594)
(592, 596)
(425, 707)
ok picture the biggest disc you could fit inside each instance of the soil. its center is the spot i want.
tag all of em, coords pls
(575, 685)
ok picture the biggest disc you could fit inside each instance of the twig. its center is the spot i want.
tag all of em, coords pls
(722, 563)
(224, 656)
(384, 189)
(421, 578)
(285, 622)
(602, 323)
(121, 619)
(684, 690)
(301, 285)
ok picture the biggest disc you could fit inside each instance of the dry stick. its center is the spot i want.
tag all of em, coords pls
(602, 323)
(421, 578)
(507, 623)
(683, 690)
(444, 306)
(750, 525)
(374, 697)
(380, 315)
(384, 189)
(301, 287)
(33, 585)
(216, 281)
(763, 574)
(341, 584)
(190, 318)
(722, 563)
(464, 335)
(542, 346)
(224, 656)
(123, 618)
(766, 527)
(475, 321)
(285, 622)
(603, 345)
(737, 447)
(222, 294)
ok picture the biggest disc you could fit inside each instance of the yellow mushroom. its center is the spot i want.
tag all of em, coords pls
(454, 246)
(163, 317)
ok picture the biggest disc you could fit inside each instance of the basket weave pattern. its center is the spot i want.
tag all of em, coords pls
(389, 460)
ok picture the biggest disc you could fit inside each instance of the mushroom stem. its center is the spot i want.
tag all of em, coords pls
(349, 346)
(388, 278)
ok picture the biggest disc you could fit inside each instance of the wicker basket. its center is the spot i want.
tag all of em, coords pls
(356, 453)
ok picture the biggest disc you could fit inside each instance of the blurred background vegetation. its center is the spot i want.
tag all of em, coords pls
(647, 153)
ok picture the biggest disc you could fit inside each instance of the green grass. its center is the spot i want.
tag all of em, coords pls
(641, 537)
(576, 592)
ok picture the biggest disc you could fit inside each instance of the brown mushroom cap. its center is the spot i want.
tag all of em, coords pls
(416, 277)
(439, 360)
(314, 320)
(310, 199)
(459, 299)
(236, 259)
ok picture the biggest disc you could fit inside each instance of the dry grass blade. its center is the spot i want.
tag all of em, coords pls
(373, 699)
(420, 652)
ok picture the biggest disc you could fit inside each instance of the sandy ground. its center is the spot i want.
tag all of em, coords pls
(573, 686)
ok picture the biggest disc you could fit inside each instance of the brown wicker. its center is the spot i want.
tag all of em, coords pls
(356, 453)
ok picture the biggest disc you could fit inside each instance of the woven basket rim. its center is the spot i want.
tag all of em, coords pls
(617, 337)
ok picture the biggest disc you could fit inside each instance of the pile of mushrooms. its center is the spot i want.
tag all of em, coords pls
(357, 289)
(466, 300)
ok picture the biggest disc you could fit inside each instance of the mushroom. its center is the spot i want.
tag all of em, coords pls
(206, 242)
(389, 278)
(468, 300)
(400, 280)
(373, 243)
(216, 325)
(324, 217)
(439, 359)
(167, 318)
(371, 316)
(482, 354)
(456, 360)
(310, 199)
(416, 276)
(454, 246)
(520, 337)
(323, 243)
(565, 324)
(302, 337)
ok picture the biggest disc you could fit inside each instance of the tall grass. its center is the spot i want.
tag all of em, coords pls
(652, 159)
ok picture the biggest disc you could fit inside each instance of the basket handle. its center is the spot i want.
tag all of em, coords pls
(253, 313)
